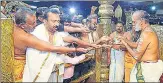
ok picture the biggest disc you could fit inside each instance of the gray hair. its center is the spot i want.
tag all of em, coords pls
(142, 15)
(21, 15)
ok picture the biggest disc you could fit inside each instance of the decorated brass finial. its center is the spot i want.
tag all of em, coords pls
(118, 12)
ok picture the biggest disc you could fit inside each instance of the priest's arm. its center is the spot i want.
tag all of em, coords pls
(33, 42)
(141, 48)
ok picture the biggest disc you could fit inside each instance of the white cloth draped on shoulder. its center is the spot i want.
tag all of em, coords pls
(35, 58)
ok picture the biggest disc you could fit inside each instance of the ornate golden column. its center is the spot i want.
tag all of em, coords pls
(105, 13)
(7, 51)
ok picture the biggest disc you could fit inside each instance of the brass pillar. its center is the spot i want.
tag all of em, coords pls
(105, 13)
(7, 50)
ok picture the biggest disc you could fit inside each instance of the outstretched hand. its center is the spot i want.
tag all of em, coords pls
(95, 46)
(85, 30)
(104, 39)
(88, 55)
(93, 8)
(81, 50)
(107, 46)
(123, 42)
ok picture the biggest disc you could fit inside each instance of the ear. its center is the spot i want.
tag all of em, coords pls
(142, 21)
(45, 21)
(21, 25)
(41, 19)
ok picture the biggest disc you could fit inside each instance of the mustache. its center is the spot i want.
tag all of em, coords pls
(118, 29)
(57, 27)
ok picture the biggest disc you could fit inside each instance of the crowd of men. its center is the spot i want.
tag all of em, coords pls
(47, 40)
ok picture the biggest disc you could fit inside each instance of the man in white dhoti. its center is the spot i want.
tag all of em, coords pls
(149, 67)
(116, 73)
(44, 66)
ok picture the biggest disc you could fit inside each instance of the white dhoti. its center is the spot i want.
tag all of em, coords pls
(116, 73)
(57, 74)
(55, 78)
(151, 72)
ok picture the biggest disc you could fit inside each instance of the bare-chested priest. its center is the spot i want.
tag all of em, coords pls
(116, 73)
(25, 21)
(149, 67)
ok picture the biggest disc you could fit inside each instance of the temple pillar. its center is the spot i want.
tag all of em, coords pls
(7, 50)
(105, 13)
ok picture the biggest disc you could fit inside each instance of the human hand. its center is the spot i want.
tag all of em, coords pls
(96, 46)
(107, 46)
(81, 26)
(88, 55)
(111, 42)
(93, 8)
(117, 47)
(81, 50)
(104, 39)
(123, 42)
(85, 30)
(121, 38)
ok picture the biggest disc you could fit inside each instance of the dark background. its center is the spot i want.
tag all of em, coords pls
(84, 7)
